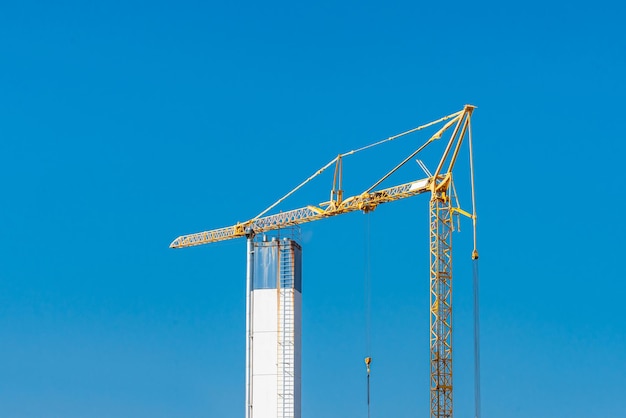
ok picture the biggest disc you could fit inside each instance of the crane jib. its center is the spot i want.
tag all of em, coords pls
(364, 202)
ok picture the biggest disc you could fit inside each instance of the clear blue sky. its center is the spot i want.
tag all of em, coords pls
(126, 124)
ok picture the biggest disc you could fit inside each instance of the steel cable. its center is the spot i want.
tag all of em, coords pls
(476, 341)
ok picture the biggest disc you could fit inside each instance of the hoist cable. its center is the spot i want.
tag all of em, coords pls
(367, 283)
(368, 396)
(367, 289)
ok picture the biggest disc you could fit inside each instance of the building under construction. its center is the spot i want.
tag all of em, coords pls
(273, 337)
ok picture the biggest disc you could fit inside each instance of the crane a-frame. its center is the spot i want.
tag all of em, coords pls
(442, 211)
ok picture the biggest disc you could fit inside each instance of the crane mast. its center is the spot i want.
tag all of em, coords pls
(440, 307)
(442, 209)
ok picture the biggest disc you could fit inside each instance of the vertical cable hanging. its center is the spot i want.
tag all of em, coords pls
(476, 341)
(477, 411)
(367, 302)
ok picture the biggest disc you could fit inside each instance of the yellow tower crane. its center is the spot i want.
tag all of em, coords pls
(443, 208)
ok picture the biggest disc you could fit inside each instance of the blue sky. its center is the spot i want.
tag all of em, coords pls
(126, 124)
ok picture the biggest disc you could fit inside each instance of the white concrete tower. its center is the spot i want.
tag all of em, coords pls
(274, 317)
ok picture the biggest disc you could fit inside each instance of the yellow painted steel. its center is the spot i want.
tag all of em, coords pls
(462, 212)
(364, 202)
(440, 306)
(441, 226)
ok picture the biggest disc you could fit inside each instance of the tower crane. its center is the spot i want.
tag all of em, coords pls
(443, 208)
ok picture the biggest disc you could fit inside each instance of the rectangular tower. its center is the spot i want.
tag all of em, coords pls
(274, 330)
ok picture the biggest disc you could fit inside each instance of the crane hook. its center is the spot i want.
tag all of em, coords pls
(368, 361)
